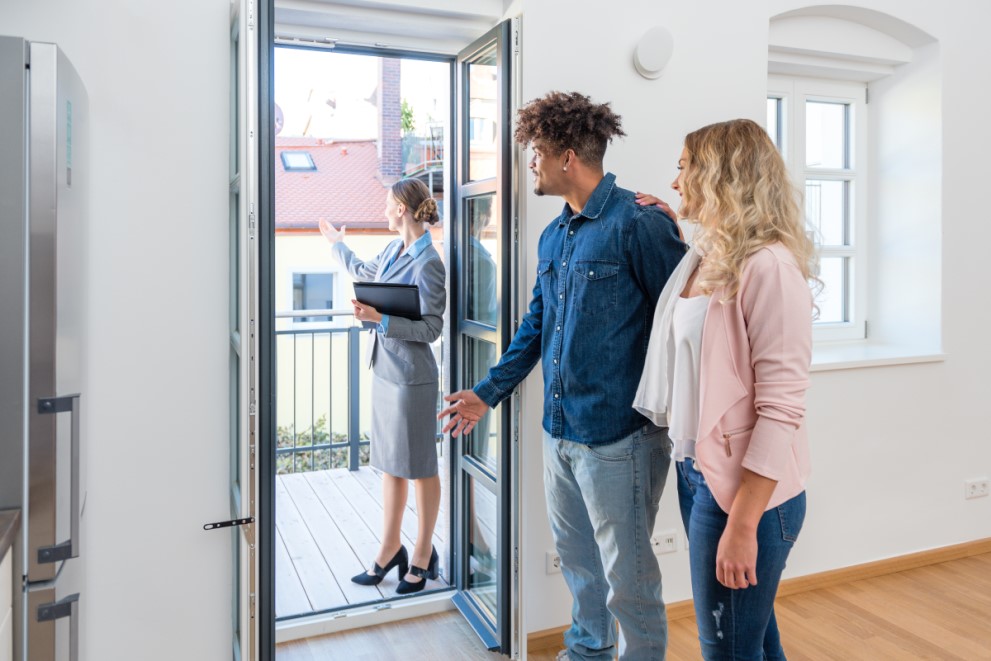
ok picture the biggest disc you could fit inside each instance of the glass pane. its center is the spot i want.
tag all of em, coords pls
(483, 442)
(832, 301)
(826, 134)
(482, 289)
(482, 113)
(313, 291)
(826, 205)
(774, 121)
(235, 113)
(234, 370)
(236, 581)
(234, 262)
(482, 545)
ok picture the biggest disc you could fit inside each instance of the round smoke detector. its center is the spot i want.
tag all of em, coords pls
(653, 52)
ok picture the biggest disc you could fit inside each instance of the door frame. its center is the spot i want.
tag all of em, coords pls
(262, 18)
(505, 635)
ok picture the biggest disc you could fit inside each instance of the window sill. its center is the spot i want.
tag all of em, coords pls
(854, 355)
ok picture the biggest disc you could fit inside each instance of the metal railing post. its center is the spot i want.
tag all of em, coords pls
(354, 396)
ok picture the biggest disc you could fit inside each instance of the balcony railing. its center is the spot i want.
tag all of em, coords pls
(323, 393)
(309, 438)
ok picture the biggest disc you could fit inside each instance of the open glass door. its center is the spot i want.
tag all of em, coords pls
(482, 258)
(243, 260)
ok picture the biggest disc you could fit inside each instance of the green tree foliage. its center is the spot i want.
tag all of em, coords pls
(407, 116)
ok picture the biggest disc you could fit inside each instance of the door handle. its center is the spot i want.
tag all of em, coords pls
(69, 548)
(68, 607)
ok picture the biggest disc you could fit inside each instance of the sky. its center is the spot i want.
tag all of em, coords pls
(306, 79)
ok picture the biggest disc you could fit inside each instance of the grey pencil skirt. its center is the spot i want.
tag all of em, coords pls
(404, 426)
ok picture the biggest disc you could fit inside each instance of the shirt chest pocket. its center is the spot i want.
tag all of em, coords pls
(595, 285)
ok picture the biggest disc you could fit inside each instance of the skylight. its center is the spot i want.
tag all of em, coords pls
(294, 161)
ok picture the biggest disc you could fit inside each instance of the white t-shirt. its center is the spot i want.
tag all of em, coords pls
(687, 321)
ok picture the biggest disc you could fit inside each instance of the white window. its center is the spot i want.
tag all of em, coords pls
(820, 126)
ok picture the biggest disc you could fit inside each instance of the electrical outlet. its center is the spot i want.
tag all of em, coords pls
(665, 541)
(976, 488)
(553, 562)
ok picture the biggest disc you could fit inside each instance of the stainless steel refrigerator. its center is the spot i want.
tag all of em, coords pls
(43, 212)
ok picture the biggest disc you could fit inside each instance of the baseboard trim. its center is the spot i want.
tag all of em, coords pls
(554, 638)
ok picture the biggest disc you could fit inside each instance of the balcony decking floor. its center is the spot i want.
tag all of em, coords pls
(328, 528)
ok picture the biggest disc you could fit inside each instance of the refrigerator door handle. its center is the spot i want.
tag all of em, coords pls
(68, 607)
(69, 548)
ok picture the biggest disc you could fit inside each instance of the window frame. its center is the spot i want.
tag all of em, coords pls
(792, 93)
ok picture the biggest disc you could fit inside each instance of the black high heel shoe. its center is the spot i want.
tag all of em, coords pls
(405, 587)
(401, 560)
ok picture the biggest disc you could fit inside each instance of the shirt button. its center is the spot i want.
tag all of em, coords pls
(591, 273)
(560, 295)
(559, 328)
(555, 361)
(556, 396)
(571, 232)
(564, 263)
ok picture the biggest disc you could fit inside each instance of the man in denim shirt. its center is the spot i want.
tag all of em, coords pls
(601, 266)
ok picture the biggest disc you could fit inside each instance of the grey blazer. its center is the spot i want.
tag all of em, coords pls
(402, 354)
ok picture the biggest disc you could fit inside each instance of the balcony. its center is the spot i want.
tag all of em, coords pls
(423, 158)
(328, 499)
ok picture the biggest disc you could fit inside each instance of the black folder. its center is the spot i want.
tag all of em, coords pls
(390, 298)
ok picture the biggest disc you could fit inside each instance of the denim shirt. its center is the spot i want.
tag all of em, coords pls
(599, 275)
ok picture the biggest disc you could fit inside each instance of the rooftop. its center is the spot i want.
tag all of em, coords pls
(345, 187)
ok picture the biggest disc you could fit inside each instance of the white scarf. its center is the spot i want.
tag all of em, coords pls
(653, 398)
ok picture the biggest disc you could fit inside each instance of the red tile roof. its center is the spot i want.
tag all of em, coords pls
(344, 189)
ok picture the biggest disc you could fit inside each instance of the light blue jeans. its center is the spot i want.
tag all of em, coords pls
(602, 501)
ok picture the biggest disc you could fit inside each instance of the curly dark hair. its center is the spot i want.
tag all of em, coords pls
(569, 121)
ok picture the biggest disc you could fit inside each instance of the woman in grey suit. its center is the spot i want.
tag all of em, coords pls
(405, 379)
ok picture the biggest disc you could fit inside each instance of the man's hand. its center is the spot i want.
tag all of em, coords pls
(329, 233)
(465, 413)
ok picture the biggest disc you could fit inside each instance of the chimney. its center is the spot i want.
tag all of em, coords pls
(390, 121)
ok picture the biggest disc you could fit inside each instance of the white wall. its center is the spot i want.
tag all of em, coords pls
(158, 586)
(891, 445)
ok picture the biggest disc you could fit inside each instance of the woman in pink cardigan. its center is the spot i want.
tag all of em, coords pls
(727, 369)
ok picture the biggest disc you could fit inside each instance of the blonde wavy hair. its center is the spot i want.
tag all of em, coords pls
(737, 189)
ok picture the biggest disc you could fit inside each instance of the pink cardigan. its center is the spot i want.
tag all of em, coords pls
(756, 351)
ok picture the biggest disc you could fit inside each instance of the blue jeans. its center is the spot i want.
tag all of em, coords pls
(602, 501)
(735, 625)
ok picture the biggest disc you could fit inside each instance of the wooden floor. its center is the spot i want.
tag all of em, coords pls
(941, 611)
(328, 526)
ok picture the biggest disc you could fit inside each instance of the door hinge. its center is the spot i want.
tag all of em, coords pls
(228, 524)
(57, 609)
(867, 95)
